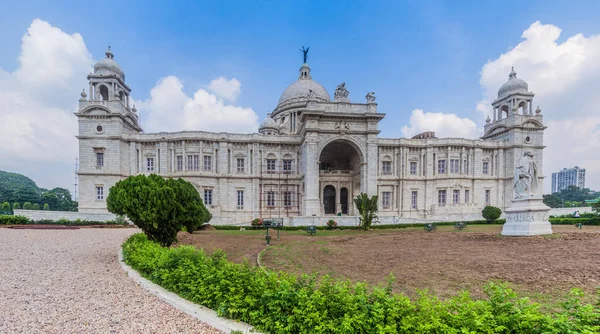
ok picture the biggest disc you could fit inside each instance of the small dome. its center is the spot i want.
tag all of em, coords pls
(268, 126)
(299, 90)
(108, 66)
(513, 85)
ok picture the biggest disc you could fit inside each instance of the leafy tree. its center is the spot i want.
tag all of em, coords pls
(27, 206)
(158, 206)
(553, 201)
(59, 199)
(6, 207)
(16, 206)
(46, 207)
(35, 206)
(19, 188)
(596, 206)
(367, 208)
(491, 213)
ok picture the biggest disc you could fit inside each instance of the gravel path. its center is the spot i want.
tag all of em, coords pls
(70, 281)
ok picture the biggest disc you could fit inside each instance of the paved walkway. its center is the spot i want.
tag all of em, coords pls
(70, 281)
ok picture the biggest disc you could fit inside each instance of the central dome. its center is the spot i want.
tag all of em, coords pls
(300, 90)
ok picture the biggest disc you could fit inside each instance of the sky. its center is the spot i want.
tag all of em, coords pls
(222, 65)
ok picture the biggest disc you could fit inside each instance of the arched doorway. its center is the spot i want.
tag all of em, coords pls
(329, 199)
(344, 200)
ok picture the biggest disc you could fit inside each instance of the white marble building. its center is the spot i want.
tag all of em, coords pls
(311, 156)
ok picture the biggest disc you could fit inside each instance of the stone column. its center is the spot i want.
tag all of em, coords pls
(311, 177)
(184, 155)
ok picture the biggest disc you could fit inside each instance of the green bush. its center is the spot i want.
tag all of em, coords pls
(16, 206)
(13, 220)
(27, 206)
(491, 213)
(285, 303)
(573, 221)
(35, 206)
(46, 207)
(6, 209)
(159, 207)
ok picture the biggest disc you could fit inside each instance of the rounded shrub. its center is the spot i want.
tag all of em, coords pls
(16, 206)
(27, 206)
(491, 213)
(46, 207)
(6, 208)
(35, 206)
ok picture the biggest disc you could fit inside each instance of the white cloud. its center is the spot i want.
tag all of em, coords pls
(565, 78)
(37, 126)
(444, 125)
(226, 89)
(169, 108)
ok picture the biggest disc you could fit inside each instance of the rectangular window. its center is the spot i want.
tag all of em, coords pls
(467, 196)
(270, 198)
(271, 165)
(442, 166)
(385, 199)
(149, 164)
(486, 167)
(99, 192)
(454, 166)
(487, 196)
(442, 197)
(455, 196)
(287, 166)
(207, 167)
(208, 196)
(413, 168)
(240, 165)
(179, 163)
(240, 199)
(413, 199)
(386, 167)
(287, 199)
(193, 162)
(99, 159)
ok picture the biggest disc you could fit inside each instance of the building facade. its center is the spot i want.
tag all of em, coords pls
(568, 177)
(311, 156)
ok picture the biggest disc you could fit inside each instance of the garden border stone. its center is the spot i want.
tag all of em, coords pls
(199, 312)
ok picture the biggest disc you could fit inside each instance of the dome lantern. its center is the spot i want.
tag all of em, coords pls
(513, 85)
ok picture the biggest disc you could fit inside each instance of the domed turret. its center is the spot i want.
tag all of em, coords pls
(513, 85)
(108, 66)
(268, 127)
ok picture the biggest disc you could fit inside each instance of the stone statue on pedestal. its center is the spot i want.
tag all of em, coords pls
(526, 177)
(341, 93)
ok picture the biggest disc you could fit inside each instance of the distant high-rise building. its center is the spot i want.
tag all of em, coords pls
(568, 177)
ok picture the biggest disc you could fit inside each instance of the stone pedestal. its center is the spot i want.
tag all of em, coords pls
(527, 217)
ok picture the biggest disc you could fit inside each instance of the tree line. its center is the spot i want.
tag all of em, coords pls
(20, 192)
(572, 196)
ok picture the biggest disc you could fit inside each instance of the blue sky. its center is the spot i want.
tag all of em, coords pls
(424, 55)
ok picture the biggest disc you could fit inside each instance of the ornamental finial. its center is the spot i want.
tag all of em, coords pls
(305, 52)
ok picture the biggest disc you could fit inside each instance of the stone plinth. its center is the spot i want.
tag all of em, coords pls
(527, 217)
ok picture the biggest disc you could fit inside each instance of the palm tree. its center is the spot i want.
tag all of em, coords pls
(367, 207)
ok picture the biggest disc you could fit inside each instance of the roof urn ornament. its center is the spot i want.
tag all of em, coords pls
(538, 111)
(83, 95)
(370, 97)
(341, 93)
(488, 120)
(134, 109)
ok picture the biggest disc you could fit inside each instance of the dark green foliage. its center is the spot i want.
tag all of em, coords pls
(573, 221)
(16, 206)
(46, 207)
(491, 213)
(596, 207)
(13, 220)
(59, 199)
(19, 188)
(27, 206)
(367, 208)
(6, 209)
(568, 197)
(21, 220)
(159, 207)
(285, 303)
(35, 206)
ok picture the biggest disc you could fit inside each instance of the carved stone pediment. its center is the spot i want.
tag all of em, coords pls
(413, 159)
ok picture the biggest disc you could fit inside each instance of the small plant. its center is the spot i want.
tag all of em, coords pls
(491, 213)
(35, 206)
(16, 206)
(46, 207)
(367, 207)
(6, 208)
(27, 206)
(331, 224)
(257, 222)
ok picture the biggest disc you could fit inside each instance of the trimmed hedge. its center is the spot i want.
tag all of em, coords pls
(285, 303)
(21, 220)
(374, 226)
(573, 221)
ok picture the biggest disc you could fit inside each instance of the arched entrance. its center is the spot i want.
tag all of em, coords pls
(344, 200)
(340, 169)
(329, 200)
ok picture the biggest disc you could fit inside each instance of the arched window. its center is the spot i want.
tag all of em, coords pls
(104, 93)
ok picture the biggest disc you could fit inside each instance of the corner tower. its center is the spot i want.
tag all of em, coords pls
(104, 117)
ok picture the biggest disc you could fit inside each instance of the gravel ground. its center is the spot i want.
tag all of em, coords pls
(70, 281)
